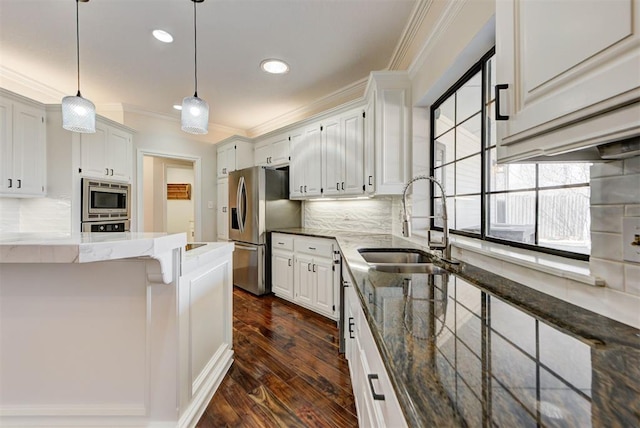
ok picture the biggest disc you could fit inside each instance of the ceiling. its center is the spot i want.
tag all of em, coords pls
(329, 45)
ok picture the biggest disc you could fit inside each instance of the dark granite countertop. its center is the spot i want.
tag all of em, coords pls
(470, 348)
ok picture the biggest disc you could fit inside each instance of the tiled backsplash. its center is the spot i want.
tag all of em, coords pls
(35, 215)
(360, 215)
(615, 194)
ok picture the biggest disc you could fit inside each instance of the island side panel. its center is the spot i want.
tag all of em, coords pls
(76, 341)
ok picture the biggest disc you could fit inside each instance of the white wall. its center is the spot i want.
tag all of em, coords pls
(164, 137)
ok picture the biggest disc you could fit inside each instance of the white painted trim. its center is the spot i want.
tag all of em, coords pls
(200, 401)
(23, 80)
(129, 108)
(81, 410)
(449, 14)
(197, 172)
(409, 33)
(198, 382)
(353, 91)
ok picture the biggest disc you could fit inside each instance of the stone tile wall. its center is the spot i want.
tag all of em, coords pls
(35, 215)
(359, 215)
(615, 194)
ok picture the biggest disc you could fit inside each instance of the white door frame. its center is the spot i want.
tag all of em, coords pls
(197, 200)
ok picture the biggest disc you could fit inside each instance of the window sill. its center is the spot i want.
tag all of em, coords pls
(576, 270)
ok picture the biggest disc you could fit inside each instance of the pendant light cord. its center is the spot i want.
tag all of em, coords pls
(78, 45)
(195, 44)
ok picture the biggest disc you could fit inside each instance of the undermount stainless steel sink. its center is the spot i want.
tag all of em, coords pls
(400, 260)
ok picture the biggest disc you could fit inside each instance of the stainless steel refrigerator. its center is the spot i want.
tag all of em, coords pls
(259, 203)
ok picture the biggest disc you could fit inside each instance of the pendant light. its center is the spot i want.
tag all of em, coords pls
(195, 111)
(78, 113)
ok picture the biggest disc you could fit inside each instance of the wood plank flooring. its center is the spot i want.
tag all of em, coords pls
(287, 370)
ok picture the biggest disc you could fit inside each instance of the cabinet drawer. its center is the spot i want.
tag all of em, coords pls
(316, 247)
(281, 241)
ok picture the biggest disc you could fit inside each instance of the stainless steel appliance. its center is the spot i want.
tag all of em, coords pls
(258, 202)
(106, 206)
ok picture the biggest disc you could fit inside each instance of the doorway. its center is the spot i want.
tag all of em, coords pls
(161, 208)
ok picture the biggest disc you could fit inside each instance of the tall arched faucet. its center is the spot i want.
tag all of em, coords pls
(406, 221)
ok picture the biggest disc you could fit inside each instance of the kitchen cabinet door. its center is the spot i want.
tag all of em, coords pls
(282, 274)
(369, 146)
(120, 153)
(297, 166)
(262, 153)
(332, 158)
(304, 276)
(570, 83)
(280, 150)
(324, 286)
(107, 153)
(226, 160)
(223, 209)
(352, 136)
(23, 149)
(313, 162)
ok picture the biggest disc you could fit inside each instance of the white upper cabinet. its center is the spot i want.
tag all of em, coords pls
(107, 153)
(305, 172)
(274, 151)
(232, 154)
(22, 147)
(388, 132)
(343, 154)
(568, 75)
(297, 170)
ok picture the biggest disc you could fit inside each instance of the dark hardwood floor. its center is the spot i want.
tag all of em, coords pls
(287, 370)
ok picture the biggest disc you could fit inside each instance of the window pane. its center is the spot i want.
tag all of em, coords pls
(511, 176)
(468, 173)
(469, 137)
(469, 98)
(558, 174)
(451, 213)
(512, 216)
(444, 148)
(468, 213)
(445, 116)
(491, 131)
(445, 176)
(564, 219)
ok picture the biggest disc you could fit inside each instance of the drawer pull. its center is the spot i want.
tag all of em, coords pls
(289, 262)
(280, 243)
(312, 248)
(498, 88)
(376, 396)
(314, 268)
(309, 267)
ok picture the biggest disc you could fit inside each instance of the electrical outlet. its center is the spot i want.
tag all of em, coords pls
(210, 205)
(631, 238)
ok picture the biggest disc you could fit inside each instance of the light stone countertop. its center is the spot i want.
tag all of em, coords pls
(85, 247)
(203, 255)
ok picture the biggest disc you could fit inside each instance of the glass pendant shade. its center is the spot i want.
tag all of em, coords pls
(195, 115)
(78, 114)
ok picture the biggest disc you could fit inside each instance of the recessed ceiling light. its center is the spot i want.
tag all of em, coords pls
(163, 36)
(274, 66)
(177, 106)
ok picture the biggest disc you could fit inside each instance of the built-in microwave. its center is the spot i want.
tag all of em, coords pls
(105, 200)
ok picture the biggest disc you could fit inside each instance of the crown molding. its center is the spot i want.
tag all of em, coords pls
(130, 108)
(409, 34)
(21, 83)
(341, 96)
(449, 14)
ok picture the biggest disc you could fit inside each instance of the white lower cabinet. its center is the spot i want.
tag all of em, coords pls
(376, 402)
(304, 271)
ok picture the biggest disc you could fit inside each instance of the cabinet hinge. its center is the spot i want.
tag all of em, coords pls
(333, 268)
(321, 190)
(334, 307)
(321, 128)
(42, 119)
(364, 115)
(364, 188)
(80, 170)
(289, 138)
(235, 147)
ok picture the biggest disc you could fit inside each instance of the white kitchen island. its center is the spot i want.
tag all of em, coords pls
(114, 329)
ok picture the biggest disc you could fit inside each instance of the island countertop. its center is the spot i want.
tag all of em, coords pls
(85, 247)
(470, 348)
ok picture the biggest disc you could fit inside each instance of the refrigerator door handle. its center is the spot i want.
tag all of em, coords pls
(241, 201)
(244, 247)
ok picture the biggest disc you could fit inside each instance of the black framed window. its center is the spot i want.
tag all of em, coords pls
(539, 206)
